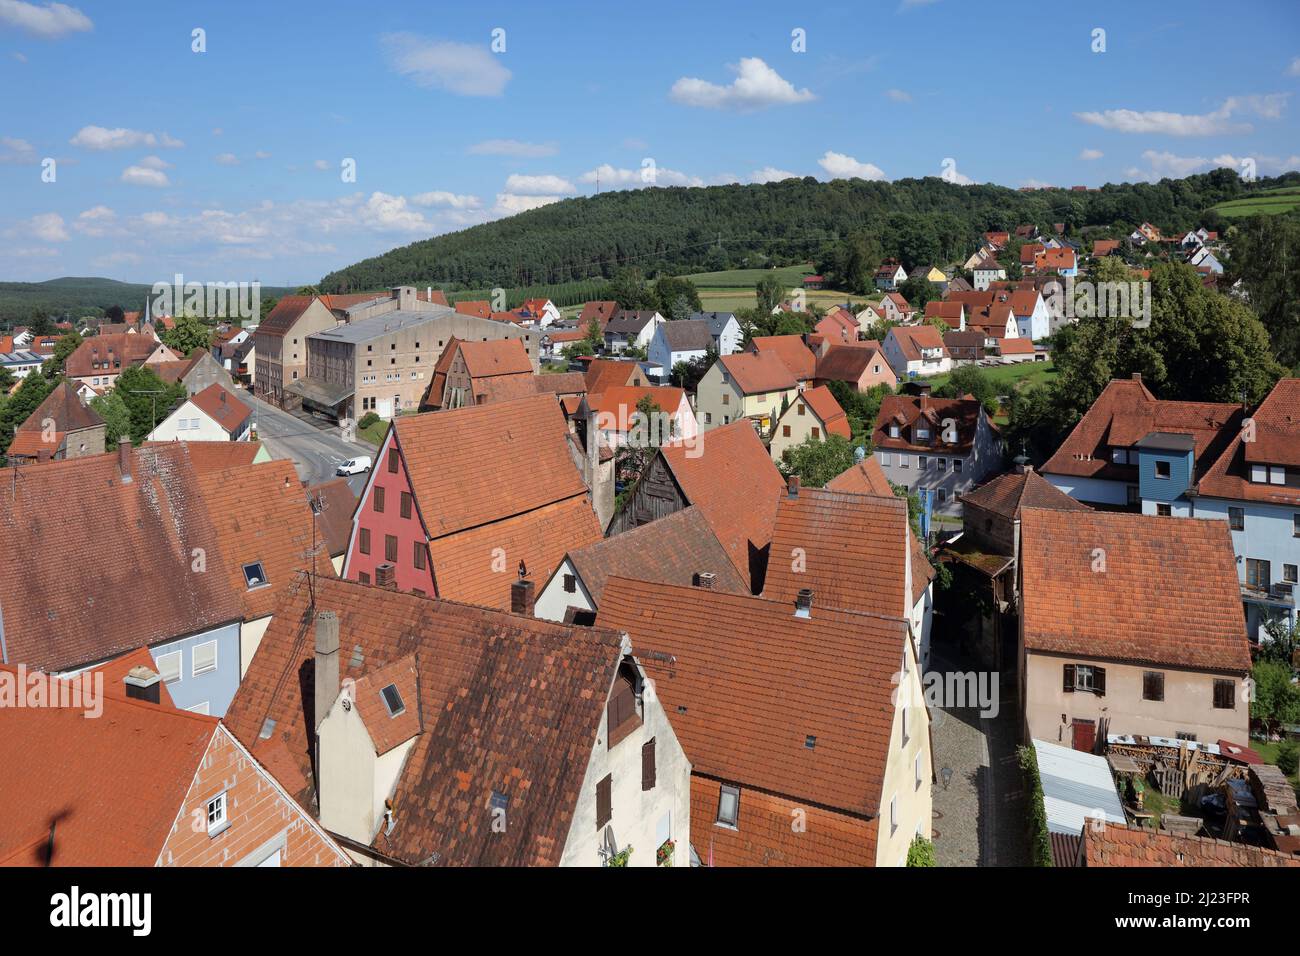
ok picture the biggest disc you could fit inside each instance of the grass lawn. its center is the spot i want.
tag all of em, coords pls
(1157, 804)
(374, 433)
(1008, 377)
(748, 278)
(1266, 202)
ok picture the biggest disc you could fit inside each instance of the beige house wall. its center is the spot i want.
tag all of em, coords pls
(909, 760)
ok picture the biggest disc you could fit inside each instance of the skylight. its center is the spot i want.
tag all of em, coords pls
(254, 575)
(392, 700)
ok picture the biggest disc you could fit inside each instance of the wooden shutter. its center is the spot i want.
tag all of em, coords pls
(406, 504)
(648, 765)
(392, 461)
(1099, 681)
(1067, 684)
(390, 547)
(622, 705)
(379, 499)
(365, 541)
(604, 801)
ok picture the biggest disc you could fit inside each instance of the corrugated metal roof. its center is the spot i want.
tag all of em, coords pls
(379, 325)
(1076, 785)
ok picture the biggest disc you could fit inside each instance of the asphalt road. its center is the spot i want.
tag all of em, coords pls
(316, 452)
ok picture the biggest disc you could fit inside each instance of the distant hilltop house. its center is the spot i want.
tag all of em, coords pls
(890, 275)
(813, 283)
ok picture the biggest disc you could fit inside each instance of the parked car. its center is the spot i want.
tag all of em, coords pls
(355, 466)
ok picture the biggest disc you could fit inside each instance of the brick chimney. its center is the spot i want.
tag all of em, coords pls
(142, 683)
(522, 596)
(327, 663)
(803, 603)
(386, 575)
(792, 486)
(705, 579)
(124, 459)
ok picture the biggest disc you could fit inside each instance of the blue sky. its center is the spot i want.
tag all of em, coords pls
(227, 164)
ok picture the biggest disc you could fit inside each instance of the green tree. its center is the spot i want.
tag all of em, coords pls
(268, 303)
(19, 406)
(670, 294)
(148, 399)
(65, 346)
(913, 506)
(816, 460)
(189, 335)
(1275, 699)
(116, 416)
(687, 374)
(918, 292)
(770, 293)
(971, 380)
(1262, 255)
(630, 290)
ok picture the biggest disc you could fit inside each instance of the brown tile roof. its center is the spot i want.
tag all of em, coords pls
(111, 786)
(1176, 576)
(223, 407)
(1016, 346)
(496, 357)
(826, 408)
(620, 402)
(906, 410)
(388, 730)
(602, 373)
(1277, 441)
(1104, 247)
(847, 363)
(950, 310)
(125, 348)
(480, 307)
(791, 350)
(671, 549)
(912, 339)
(1126, 412)
(560, 383)
(758, 372)
(64, 407)
(467, 466)
(137, 536)
(864, 478)
(852, 550)
(602, 311)
(748, 682)
(288, 309)
(334, 513)
(1051, 259)
(1007, 494)
(261, 514)
(734, 484)
(1028, 251)
(1108, 844)
(207, 456)
(508, 703)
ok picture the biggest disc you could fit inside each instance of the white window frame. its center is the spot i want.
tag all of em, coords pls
(216, 813)
(893, 814)
(884, 459)
(195, 670)
(162, 668)
(733, 824)
(917, 764)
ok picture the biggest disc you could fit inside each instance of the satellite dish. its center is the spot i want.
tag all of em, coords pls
(859, 453)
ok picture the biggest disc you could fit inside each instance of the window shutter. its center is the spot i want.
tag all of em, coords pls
(648, 765)
(1068, 684)
(604, 801)
(1099, 681)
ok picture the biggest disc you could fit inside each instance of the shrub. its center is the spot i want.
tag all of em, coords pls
(1288, 757)
(368, 419)
(1039, 842)
(921, 852)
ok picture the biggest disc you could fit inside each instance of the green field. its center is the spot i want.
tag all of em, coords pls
(1266, 202)
(1008, 377)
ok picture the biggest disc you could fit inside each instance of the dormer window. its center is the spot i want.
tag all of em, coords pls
(893, 431)
(1268, 474)
(922, 434)
(1119, 456)
(623, 713)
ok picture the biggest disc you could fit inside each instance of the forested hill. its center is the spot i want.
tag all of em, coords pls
(696, 229)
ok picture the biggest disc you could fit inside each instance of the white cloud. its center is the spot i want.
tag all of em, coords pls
(261, 154)
(899, 96)
(144, 176)
(538, 185)
(447, 199)
(612, 177)
(226, 159)
(321, 164)
(1269, 106)
(47, 227)
(1091, 154)
(156, 220)
(96, 221)
(1165, 163)
(21, 58)
(1029, 184)
(153, 162)
(1263, 164)
(119, 258)
(840, 166)
(770, 174)
(512, 147)
(101, 138)
(464, 68)
(508, 203)
(51, 21)
(1294, 68)
(755, 87)
(16, 152)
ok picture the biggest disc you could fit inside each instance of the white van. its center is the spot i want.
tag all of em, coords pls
(355, 466)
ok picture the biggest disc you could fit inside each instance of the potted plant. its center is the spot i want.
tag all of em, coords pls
(620, 858)
(664, 855)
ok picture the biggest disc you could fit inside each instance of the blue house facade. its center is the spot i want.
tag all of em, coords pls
(201, 671)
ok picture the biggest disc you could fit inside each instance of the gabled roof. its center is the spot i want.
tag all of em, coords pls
(467, 466)
(602, 311)
(627, 322)
(1177, 576)
(686, 335)
(288, 309)
(508, 703)
(856, 551)
(138, 536)
(1007, 494)
(337, 502)
(791, 350)
(261, 515)
(864, 478)
(718, 321)
(125, 348)
(495, 357)
(757, 373)
(730, 477)
(1106, 844)
(828, 411)
(65, 409)
(1126, 412)
(912, 339)
(950, 310)
(617, 404)
(670, 550)
(110, 787)
(905, 410)
(223, 407)
(602, 373)
(749, 682)
(1277, 442)
(1104, 247)
(846, 363)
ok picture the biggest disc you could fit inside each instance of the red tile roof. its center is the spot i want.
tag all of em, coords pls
(206, 456)
(756, 373)
(1176, 576)
(110, 787)
(288, 309)
(120, 351)
(791, 350)
(223, 407)
(912, 339)
(138, 537)
(734, 483)
(507, 703)
(1104, 247)
(864, 478)
(618, 403)
(496, 357)
(602, 311)
(1277, 441)
(950, 310)
(847, 363)
(1108, 844)
(826, 408)
(748, 682)
(602, 373)
(1007, 494)
(1016, 346)
(481, 308)
(906, 411)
